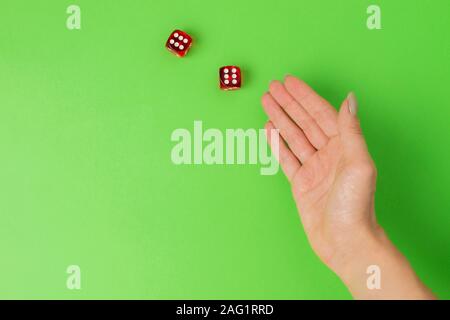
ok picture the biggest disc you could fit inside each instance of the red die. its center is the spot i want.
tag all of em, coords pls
(230, 78)
(179, 43)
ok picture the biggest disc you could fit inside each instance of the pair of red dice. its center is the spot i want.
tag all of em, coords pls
(179, 44)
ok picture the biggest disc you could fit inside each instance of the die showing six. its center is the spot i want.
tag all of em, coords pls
(230, 78)
(179, 43)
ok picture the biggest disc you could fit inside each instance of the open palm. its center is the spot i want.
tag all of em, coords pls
(325, 158)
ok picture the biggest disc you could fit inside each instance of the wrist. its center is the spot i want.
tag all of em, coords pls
(366, 244)
(375, 256)
(367, 248)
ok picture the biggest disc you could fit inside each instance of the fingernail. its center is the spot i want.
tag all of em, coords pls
(352, 103)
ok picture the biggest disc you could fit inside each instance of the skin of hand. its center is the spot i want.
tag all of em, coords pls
(333, 177)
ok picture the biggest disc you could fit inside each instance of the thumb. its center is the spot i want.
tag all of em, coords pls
(352, 140)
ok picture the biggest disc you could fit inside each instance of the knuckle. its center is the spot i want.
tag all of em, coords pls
(355, 128)
(291, 106)
(320, 115)
(299, 137)
(307, 124)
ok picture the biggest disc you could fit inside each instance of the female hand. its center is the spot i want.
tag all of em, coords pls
(324, 155)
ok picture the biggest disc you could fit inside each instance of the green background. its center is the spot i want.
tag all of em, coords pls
(85, 124)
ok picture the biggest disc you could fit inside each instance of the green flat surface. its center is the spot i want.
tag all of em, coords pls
(85, 123)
